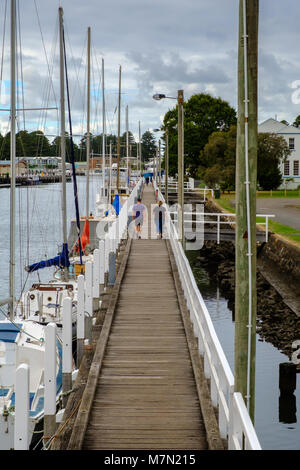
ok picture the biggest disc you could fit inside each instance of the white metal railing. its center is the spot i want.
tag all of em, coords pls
(234, 422)
(188, 186)
(218, 216)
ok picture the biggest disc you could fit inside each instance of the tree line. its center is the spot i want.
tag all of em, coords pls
(210, 144)
(37, 144)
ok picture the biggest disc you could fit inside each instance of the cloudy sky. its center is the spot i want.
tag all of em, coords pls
(162, 46)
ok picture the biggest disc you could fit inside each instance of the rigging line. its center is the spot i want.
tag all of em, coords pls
(100, 82)
(43, 42)
(40, 340)
(3, 46)
(21, 61)
(74, 65)
(46, 94)
(72, 150)
(97, 99)
(41, 123)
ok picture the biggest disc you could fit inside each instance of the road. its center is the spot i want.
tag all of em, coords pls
(284, 209)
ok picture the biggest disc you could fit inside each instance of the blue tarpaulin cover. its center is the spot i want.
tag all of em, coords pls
(116, 204)
(61, 260)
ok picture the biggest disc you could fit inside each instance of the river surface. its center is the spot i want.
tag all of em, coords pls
(276, 420)
(38, 228)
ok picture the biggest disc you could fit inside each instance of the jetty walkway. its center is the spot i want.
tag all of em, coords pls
(147, 387)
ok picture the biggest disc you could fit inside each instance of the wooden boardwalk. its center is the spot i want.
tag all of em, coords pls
(146, 392)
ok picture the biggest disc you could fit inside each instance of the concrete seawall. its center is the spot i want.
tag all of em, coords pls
(278, 261)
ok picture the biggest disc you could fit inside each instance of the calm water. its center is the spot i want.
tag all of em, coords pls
(272, 431)
(38, 227)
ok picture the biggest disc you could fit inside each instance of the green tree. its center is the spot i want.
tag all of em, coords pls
(218, 160)
(56, 148)
(148, 146)
(203, 115)
(272, 150)
(296, 123)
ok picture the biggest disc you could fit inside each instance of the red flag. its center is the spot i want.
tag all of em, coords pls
(85, 237)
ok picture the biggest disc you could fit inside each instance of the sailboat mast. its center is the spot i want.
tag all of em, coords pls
(103, 133)
(12, 158)
(110, 171)
(63, 134)
(119, 125)
(88, 140)
(127, 148)
(140, 151)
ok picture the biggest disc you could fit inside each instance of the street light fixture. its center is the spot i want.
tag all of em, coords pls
(180, 100)
(160, 96)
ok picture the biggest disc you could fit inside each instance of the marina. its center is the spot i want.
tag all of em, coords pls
(140, 308)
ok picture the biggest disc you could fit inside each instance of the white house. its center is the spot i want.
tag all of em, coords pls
(290, 168)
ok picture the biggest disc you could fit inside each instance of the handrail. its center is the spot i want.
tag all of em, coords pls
(234, 422)
(224, 222)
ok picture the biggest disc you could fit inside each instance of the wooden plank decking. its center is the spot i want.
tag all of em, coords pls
(146, 395)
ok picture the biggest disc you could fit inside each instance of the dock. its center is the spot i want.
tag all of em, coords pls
(143, 383)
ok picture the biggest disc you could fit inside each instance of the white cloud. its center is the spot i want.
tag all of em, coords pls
(162, 46)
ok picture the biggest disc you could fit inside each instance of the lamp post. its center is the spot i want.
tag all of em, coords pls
(166, 163)
(159, 166)
(180, 101)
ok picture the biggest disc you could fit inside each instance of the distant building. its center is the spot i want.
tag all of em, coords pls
(290, 168)
(96, 162)
(21, 167)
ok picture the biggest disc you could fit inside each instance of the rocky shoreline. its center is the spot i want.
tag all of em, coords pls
(276, 322)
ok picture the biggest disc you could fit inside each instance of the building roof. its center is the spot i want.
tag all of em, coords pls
(276, 127)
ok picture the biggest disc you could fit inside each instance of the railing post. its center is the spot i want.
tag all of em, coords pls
(106, 251)
(67, 348)
(89, 287)
(50, 381)
(21, 434)
(112, 268)
(88, 298)
(218, 229)
(80, 318)
(267, 228)
(96, 279)
(101, 265)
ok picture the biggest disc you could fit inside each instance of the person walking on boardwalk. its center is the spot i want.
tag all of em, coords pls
(159, 212)
(138, 216)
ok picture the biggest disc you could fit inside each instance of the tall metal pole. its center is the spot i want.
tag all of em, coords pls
(180, 168)
(63, 135)
(246, 176)
(159, 166)
(155, 165)
(119, 132)
(103, 132)
(127, 149)
(110, 173)
(167, 167)
(140, 150)
(88, 141)
(12, 158)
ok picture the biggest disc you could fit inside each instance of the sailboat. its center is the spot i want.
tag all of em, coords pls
(43, 301)
(20, 341)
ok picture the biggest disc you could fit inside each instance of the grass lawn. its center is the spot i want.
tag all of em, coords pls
(294, 193)
(284, 230)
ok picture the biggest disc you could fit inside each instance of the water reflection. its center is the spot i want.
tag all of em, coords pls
(277, 386)
(287, 399)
